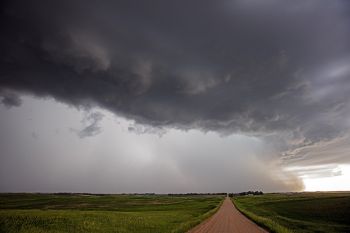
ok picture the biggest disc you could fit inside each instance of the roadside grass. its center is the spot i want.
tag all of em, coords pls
(50, 213)
(298, 212)
(190, 224)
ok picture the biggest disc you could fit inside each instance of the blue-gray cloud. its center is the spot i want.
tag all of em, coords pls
(10, 99)
(90, 125)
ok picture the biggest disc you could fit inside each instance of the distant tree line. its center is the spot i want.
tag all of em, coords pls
(194, 194)
(246, 193)
(148, 194)
(169, 194)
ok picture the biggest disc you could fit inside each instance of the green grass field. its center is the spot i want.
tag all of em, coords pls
(298, 212)
(49, 213)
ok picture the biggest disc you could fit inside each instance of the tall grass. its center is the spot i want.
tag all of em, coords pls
(194, 222)
(298, 212)
(267, 223)
(107, 214)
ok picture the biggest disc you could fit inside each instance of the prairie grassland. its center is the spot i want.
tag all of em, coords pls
(49, 213)
(298, 212)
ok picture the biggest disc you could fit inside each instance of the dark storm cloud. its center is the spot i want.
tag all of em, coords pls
(251, 66)
(91, 125)
(10, 99)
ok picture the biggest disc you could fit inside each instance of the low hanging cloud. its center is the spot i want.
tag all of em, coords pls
(276, 69)
(90, 125)
(317, 171)
(10, 99)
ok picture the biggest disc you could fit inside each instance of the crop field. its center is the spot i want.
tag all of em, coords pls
(298, 212)
(56, 213)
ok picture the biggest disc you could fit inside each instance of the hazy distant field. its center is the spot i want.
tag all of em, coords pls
(303, 212)
(50, 213)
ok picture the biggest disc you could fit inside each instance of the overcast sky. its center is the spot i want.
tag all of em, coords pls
(174, 96)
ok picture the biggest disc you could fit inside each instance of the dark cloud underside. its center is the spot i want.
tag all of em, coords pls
(248, 66)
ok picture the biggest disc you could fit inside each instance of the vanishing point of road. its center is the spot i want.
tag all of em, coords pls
(226, 220)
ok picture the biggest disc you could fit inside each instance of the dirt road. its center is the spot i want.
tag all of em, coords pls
(228, 219)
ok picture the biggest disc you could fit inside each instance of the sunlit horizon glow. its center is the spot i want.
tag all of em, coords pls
(334, 183)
